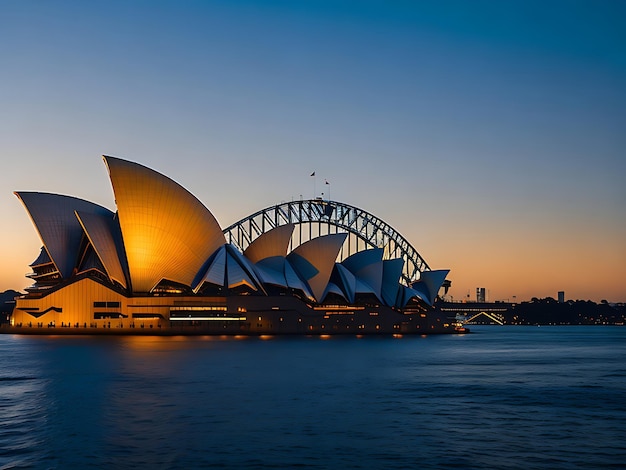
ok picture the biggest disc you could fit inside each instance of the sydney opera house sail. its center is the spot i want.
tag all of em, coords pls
(159, 263)
(60, 230)
(167, 232)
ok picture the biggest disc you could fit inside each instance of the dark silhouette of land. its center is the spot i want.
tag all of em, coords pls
(546, 311)
(7, 303)
(549, 311)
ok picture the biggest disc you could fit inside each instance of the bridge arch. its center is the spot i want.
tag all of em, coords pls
(317, 217)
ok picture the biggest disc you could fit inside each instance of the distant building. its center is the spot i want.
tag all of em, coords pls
(561, 296)
(480, 294)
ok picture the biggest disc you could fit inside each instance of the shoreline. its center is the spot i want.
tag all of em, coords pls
(80, 331)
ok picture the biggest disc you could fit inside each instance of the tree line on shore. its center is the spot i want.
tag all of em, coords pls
(548, 311)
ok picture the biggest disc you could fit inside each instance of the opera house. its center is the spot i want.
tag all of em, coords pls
(161, 264)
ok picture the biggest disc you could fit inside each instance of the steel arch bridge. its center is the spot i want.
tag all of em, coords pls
(316, 217)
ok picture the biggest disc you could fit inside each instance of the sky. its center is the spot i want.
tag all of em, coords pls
(490, 134)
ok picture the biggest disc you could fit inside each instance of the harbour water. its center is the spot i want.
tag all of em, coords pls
(500, 397)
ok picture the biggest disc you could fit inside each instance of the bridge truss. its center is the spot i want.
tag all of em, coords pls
(317, 217)
(494, 317)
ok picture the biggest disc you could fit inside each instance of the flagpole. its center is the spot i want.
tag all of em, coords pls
(314, 178)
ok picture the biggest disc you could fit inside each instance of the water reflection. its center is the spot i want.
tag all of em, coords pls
(195, 402)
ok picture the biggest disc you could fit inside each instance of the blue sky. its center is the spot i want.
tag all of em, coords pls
(489, 133)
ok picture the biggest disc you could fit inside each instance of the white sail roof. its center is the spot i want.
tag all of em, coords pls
(167, 232)
(333, 288)
(367, 267)
(271, 270)
(392, 270)
(270, 244)
(55, 220)
(346, 281)
(240, 270)
(429, 284)
(215, 272)
(405, 294)
(105, 237)
(227, 267)
(319, 253)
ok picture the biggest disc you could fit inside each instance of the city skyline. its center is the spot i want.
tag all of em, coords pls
(489, 135)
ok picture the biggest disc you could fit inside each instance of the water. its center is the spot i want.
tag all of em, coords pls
(502, 397)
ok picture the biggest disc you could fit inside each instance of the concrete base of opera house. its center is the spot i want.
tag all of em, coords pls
(89, 307)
